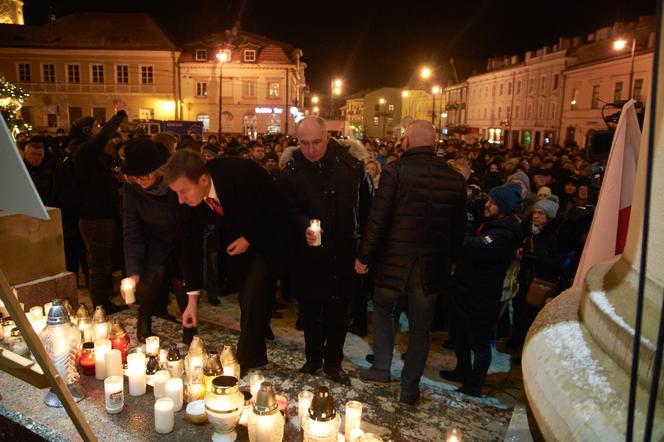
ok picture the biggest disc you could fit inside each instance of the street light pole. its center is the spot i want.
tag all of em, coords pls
(631, 69)
(222, 57)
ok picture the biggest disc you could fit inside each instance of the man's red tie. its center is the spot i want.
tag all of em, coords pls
(215, 205)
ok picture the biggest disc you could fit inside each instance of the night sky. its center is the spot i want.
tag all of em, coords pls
(373, 44)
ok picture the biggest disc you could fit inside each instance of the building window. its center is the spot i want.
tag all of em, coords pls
(273, 89)
(376, 121)
(507, 112)
(147, 75)
(390, 108)
(205, 118)
(122, 74)
(594, 100)
(201, 55)
(27, 113)
(516, 111)
(98, 73)
(250, 55)
(509, 88)
(617, 92)
(24, 75)
(52, 120)
(99, 114)
(529, 111)
(73, 73)
(556, 78)
(553, 111)
(500, 112)
(540, 111)
(531, 86)
(638, 89)
(201, 89)
(49, 73)
(493, 90)
(248, 88)
(75, 114)
(542, 84)
(573, 101)
(518, 87)
(500, 91)
(146, 114)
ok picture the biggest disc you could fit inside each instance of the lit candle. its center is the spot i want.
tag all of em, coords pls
(3, 310)
(163, 415)
(47, 307)
(314, 225)
(136, 361)
(113, 363)
(114, 394)
(303, 403)
(163, 355)
(341, 438)
(159, 383)
(355, 434)
(137, 381)
(101, 330)
(87, 359)
(37, 311)
(255, 382)
(353, 418)
(101, 347)
(454, 435)
(152, 345)
(129, 290)
(174, 391)
(38, 323)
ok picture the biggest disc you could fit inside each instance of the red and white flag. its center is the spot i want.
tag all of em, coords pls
(608, 232)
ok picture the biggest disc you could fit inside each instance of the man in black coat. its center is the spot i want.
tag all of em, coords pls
(239, 198)
(100, 203)
(412, 240)
(487, 254)
(324, 180)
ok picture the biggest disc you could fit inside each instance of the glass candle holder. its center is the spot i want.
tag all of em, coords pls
(114, 394)
(224, 405)
(129, 289)
(175, 391)
(304, 398)
(136, 361)
(101, 347)
(211, 369)
(152, 345)
(314, 225)
(17, 344)
(352, 418)
(87, 359)
(119, 339)
(255, 381)
(159, 383)
(174, 362)
(137, 380)
(266, 423)
(323, 422)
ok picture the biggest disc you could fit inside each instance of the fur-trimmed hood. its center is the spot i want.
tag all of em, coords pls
(355, 148)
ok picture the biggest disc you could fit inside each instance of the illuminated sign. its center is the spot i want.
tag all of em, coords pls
(269, 110)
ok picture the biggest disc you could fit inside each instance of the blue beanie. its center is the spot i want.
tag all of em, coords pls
(507, 197)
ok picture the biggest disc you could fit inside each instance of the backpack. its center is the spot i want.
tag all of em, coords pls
(66, 189)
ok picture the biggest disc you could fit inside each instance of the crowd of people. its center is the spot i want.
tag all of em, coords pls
(473, 238)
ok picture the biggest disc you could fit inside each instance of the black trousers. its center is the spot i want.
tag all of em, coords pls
(470, 335)
(101, 237)
(325, 324)
(254, 285)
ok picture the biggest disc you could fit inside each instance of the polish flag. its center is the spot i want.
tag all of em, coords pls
(608, 232)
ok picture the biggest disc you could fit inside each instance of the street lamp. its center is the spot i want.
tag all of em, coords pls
(335, 87)
(425, 73)
(222, 57)
(619, 45)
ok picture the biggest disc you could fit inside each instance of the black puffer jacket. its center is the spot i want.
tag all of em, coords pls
(336, 191)
(541, 256)
(418, 215)
(479, 276)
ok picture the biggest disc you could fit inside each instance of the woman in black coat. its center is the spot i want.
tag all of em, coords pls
(158, 239)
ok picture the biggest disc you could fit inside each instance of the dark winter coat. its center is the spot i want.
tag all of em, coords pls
(418, 216)
(42, 177)
(93, 167)
(335, 190)
(541, 256)
(481, 271)
(252, 208)
(155, 227)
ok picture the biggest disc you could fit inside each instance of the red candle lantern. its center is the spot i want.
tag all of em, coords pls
(119, 339)
(87, 359)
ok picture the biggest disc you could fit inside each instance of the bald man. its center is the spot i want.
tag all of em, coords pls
(413, 237)
(324, 180)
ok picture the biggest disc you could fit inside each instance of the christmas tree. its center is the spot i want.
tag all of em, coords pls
(11, 100)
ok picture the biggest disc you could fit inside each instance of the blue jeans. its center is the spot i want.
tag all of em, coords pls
(421, 310)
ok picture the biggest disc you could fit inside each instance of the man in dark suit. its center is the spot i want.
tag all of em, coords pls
(239, 197)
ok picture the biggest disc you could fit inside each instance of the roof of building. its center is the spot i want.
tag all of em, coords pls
(89, 30)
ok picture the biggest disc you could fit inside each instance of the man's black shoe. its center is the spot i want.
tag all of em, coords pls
(453, 375)
(339, 376)
(370, 358)
(311, 367)
(469, 391)
(143, 329)
(359, 331)
(409, 398)
(213, 299)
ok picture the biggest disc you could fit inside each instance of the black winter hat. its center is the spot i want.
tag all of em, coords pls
(143, 156)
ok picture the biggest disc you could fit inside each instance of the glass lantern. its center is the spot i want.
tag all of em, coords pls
(62, 340)
(195, 356)
(323, 422)
(100, 326)
(70, 310)
(266, 423)
(174, 363)
(195, 385)
(211, 369)
(17, 344)
(119, 339)
(224, 404)
(229, 362)
(84, 322)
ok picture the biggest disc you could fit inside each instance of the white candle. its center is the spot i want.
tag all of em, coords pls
(129, 290)
(175, 391)
(255, 382)
(101, 330)
(314, 225)
(136, 361)
(163, 415)
(341, 438)
(137, 381)
(37, 311)
(101, 347)
(113, 362)
(47, 307)
(38, 324)
(163, 355)
(355, 434)
(159, 383)
(303, 403)
(152, 345)
(353, 417)
(114, 394)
